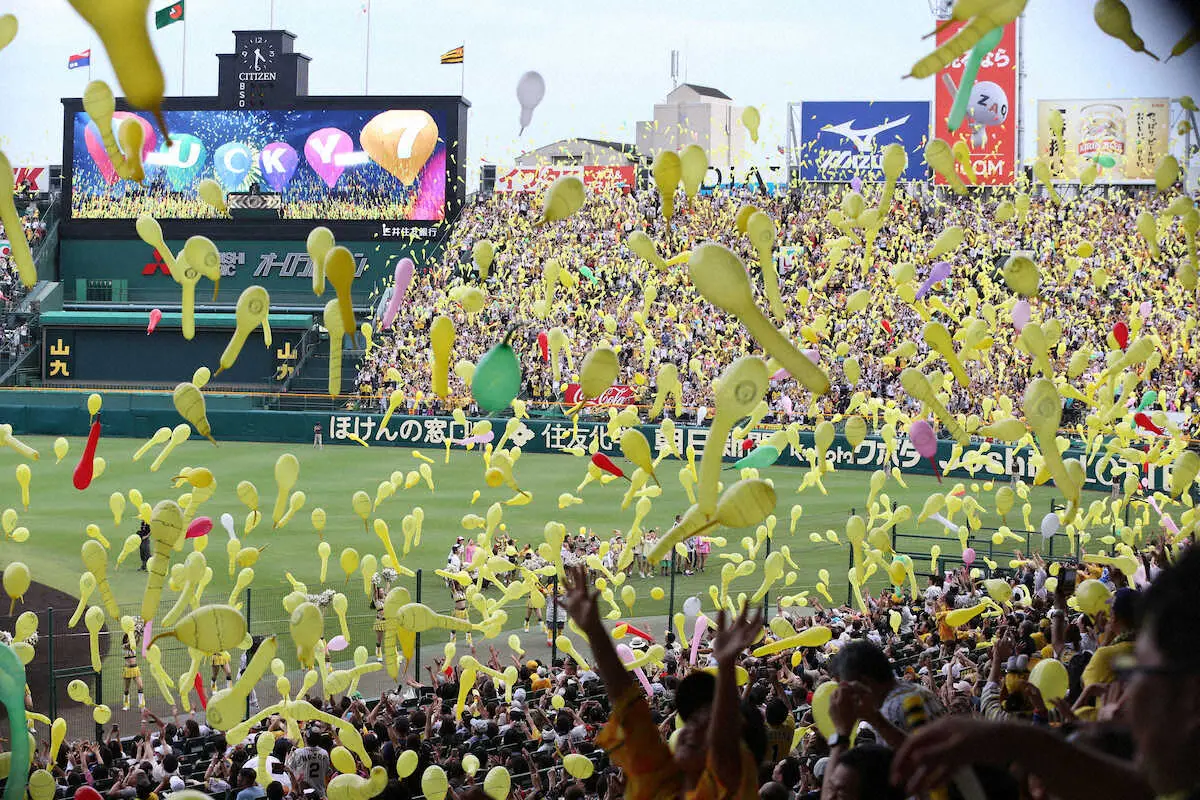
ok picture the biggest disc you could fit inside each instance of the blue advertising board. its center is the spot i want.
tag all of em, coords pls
(841, 140)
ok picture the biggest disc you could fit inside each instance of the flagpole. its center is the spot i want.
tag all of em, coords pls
(272, 23)
(462, 73)
(91, 46)
(367, 66)
(183, 61)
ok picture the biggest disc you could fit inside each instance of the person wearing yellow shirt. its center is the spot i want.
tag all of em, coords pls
(1119, 638)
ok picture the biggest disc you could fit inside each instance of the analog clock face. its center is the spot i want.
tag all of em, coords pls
(257, 53)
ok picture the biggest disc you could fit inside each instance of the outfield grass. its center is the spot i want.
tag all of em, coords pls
(58, 513)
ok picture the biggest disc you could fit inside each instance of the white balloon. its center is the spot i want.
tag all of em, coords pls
(384, 299)
(691, 607)
(227, 524)
(530, 91)
(1050, 525)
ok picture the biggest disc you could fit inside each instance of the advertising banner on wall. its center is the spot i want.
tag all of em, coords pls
(554, 436)
(36, 178)
(538, 179)
(843, 140)
(1124, 139)
(282, 267)
(990, 125)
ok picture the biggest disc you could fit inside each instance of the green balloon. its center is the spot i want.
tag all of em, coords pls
(1106, 161)
(762, 456)
(497, 379)
(586, 272)
(1149, 398)
(12, 695)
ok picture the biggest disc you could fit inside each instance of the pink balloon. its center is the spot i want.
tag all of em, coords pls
(337, 643)
(200, 526)
(146, 635)
(149, 134)
(95, 145)
(95, 148)
(1020, 315)
(788, 407)
(482, 438)
(431, 195)
(813, 355)
(403, 277)
(780, 374)
(1144, 309)
(1165, 519)
(641, 676)
(921, 434)
(155, 318)
(324, 150)
(969, 556)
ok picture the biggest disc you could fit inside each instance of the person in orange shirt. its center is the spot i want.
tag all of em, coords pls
(718, 749)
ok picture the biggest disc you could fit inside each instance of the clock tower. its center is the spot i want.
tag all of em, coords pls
(263, 72)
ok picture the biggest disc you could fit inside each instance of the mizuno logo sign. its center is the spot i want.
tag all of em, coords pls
(863, 139)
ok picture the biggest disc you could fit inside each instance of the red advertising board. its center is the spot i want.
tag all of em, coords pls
(615, 395)
(37, 178)
(990, 127)
(538, 179)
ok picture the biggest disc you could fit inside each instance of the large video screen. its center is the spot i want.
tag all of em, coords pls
(332, 164)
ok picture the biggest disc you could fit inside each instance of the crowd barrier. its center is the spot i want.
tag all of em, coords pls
(140, 418)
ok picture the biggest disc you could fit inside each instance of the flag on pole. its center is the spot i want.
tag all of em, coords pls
(80, 59)
(454, 56)
(165, 16)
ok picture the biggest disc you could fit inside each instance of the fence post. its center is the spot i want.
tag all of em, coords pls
(767, 595)
(248, 628)
(98, 693)
(671, 602)
(417, 641)
(50, 665)
(552, 624)
(850, 566)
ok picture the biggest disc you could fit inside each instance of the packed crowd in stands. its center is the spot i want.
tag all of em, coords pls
(918, 703)
(683, 329)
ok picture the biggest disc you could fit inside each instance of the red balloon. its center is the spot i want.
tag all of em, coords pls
(605, 463)
(82, 477)
(200, 526)
(198, 682)
(747, 444)
(887, 326)
(87, 793)
(1143, 421)
(544, 343)
(1120, 332)
(637, 631)
(155, 318)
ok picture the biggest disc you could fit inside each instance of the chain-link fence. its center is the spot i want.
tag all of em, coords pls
(64, 653)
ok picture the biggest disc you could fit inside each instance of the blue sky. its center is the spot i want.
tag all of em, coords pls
(605, 64)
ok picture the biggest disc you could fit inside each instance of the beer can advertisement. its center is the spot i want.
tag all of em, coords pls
(1123, 139)
(989, 126)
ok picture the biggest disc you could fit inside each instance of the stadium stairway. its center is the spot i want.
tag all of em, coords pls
(311, 372)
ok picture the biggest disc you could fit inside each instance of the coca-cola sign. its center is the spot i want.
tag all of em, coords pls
(615, 395)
